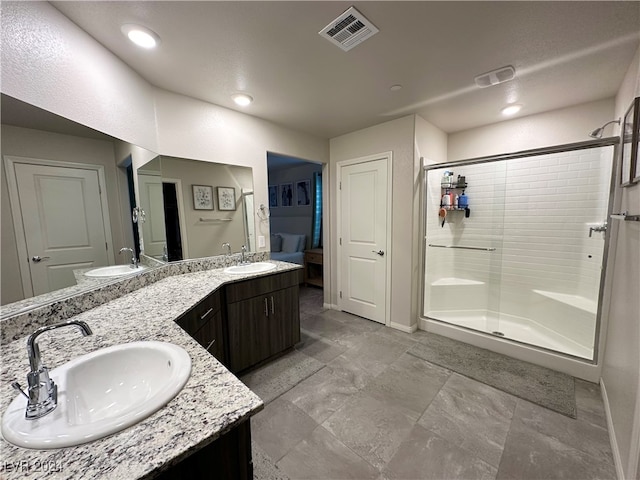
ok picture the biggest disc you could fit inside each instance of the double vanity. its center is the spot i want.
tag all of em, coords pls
(226, 320)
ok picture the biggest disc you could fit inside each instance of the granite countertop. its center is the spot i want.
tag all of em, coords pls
(212, 402)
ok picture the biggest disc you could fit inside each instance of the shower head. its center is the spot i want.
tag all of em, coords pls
(597, 133)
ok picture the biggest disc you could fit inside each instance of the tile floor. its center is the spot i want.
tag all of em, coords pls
(375, 412)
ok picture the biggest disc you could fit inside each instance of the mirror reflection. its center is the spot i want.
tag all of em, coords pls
(192, 207)
(66, 206)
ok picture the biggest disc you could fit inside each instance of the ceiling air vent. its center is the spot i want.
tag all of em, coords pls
(494, 77)
(349, 29)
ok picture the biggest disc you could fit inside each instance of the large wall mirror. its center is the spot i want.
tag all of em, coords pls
(38, 264)
(66, 206)
(192, 207)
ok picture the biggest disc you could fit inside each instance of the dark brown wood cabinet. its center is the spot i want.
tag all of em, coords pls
(227, 458)
(204, 323)
(313, 267)
(247, 322)
(242, 324)
(263, 318)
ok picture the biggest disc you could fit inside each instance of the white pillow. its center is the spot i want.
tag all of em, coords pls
(276, 243)
(303, 243)
(290, 242)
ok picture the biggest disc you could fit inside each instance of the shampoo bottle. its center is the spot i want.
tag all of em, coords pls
(463, 200)
(446, 199)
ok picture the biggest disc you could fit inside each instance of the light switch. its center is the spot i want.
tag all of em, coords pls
(261, 241)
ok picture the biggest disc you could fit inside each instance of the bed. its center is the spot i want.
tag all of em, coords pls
(288, 247)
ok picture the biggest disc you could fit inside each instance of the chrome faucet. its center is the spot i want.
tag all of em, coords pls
(42, 391)
(243, 250)
(228, 247)
(134, 260)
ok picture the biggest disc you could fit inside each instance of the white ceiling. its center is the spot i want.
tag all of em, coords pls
(564, 53)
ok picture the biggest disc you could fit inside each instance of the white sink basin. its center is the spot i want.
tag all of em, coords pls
(101, 393)
(114, 271)
(257, 267)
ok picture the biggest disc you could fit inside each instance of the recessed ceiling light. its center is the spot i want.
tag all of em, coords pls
(395, 88)
(141, 36)
(242, 99)
(511, 109)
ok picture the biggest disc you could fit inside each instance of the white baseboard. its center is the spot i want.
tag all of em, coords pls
(403, 328)
(612, 434)
(330, 306)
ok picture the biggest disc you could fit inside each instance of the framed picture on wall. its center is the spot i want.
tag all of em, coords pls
(202, 197)
(226, 198)
(286, 195)
(629, 138)
(303, 193)
(273, 196)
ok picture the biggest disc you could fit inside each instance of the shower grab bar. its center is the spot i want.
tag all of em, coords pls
(484, 249)
(626, 217)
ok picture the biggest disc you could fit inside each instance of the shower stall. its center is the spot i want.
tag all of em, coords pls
(515, 245)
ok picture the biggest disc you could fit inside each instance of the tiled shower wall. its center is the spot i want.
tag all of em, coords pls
(536, 212)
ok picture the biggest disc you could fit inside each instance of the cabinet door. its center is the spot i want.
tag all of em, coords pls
(211, 337)
(284, 320)
(248, 327)
(262, 326)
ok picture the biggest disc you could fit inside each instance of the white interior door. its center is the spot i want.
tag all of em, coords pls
(154, 233)
(364, 193)
(62, 216)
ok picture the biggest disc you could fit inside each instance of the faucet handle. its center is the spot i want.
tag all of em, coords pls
(18, 387)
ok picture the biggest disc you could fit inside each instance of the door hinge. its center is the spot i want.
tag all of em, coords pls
(340, 186)
(99, 189)
(340, 240)
(106, 246)
(340, 293)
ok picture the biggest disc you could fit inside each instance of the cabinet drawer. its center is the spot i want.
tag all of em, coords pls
(313, 258)
(211, 336)
(246, 289)
(204, 311)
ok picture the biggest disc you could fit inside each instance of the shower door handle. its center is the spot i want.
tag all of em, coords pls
(599, 228)
(379, 252)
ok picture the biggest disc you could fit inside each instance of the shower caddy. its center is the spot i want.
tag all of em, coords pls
(449, 199)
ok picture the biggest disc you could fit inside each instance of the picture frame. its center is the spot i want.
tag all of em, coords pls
(629, 139)
(202, 197)
(286, 194)
(303, 193)
(273, 196)
(226, 198)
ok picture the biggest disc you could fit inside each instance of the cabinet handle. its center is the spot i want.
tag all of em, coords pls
(211, 344)
(204, 315)
(272, 307)
(266, 307)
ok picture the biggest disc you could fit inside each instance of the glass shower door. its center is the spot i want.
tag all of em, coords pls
(524, 260)
(463, 242)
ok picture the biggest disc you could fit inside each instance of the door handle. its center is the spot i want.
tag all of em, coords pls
(38, 258)
(379, 252)
(266, 307)
(273, 310)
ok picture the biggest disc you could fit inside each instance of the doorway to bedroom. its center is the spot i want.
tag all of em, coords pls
(296, 214)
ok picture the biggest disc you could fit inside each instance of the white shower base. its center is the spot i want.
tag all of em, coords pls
(512, 328)
(556, 321)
